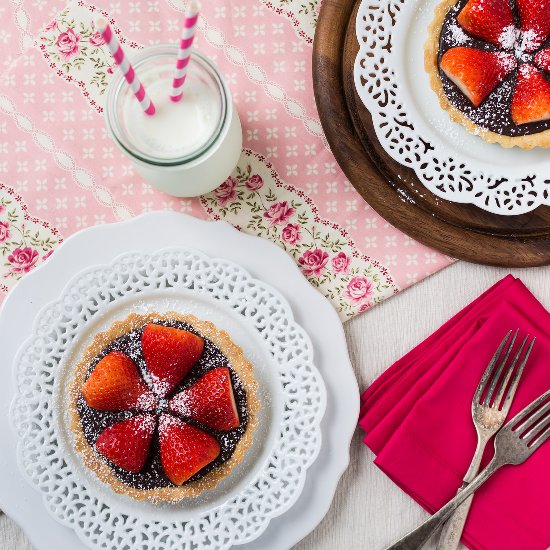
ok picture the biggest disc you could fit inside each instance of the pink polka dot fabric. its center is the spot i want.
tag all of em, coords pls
(60, 171)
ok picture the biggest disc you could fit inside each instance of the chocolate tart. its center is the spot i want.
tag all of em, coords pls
(151, 482)
(520, 84)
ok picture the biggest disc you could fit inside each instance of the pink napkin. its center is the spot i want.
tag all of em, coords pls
(417, 420)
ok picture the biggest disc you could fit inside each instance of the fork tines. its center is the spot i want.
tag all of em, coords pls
(497, 387)
(533, 422)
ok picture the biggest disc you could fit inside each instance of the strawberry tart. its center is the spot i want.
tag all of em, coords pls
(489, 63)
(163, 406)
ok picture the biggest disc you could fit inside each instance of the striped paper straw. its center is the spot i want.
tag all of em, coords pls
(124, 65)
(184, 53)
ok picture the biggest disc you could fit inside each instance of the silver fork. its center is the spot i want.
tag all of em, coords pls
(514, 443)
(490, 407)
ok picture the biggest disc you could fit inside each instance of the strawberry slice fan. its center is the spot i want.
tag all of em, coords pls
(513, 43)
(116, 384)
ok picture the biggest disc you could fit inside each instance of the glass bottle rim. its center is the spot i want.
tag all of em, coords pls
(118, 84)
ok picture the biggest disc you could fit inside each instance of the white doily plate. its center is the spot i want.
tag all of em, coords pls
(416, 132)
(100, 247)
(290, 388)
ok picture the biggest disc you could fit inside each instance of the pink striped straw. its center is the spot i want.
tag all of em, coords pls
(124, 65)
(184, 52)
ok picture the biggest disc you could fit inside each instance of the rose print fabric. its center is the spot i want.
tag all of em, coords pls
(60, 171)
(323, 250)
(24, 241)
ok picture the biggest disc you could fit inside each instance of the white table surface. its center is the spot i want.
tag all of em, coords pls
(368, 511)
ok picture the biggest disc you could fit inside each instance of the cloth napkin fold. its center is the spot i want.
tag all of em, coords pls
(418, 422)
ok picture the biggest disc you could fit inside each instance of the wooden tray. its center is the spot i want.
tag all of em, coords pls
(458, 230)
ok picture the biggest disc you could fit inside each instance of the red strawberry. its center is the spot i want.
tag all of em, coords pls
(476, 72)
(116, 385)
(535, 22)
(490, 20)
(170, 353)
(542, 60)
(127, 443)
(531, 99)
(209, 401)
(184, 449)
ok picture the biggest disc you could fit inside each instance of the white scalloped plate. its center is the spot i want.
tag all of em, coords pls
(265, 261)
(395, 88)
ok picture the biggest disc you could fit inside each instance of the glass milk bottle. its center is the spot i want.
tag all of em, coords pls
(186, 148)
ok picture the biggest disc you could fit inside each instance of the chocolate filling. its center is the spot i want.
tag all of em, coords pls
(494, 112)
(152, 476)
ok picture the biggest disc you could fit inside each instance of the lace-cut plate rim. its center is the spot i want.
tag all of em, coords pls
(457, 166)
(456, 227)
(431, 122)
(256, 316)
(101, 245)
(265, 373)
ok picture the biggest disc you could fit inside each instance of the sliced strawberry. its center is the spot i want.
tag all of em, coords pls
(531, 99)
(127, 443)
(116, 385)
(209, 401)
(184, 449)
(476, 72)
(490, 20)
(542, 60)
(170, 353)
(535, 22)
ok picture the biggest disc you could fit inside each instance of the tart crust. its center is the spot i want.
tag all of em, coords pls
(238, 363)
(431, 51)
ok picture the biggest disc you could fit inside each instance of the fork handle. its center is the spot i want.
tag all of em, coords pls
(452, 530)
(417, 538)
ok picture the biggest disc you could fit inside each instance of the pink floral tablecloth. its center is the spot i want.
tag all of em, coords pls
(60, 171)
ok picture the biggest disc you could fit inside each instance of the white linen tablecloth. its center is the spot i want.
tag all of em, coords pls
(369, 511)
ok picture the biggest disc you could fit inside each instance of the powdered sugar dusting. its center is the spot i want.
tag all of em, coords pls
(458, 36)
(94, 422)
(147, 402)
(521, 43)
(530, 40)
(146, 423)
(508, 37)
(516, 56)
(181, 404)
(506, 61)
(166, 422)
(162, 406)
(160, 387)
(526, 70)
